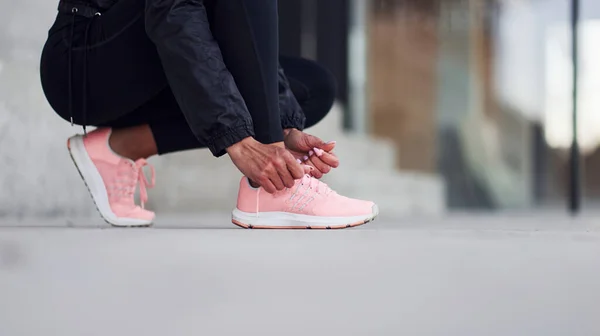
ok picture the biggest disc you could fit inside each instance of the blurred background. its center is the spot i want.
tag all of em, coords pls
(443, 105)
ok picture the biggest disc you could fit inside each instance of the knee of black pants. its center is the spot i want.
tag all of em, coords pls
(318, 92)
(324, 99)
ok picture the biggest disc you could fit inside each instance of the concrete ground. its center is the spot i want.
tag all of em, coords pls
(458, 275)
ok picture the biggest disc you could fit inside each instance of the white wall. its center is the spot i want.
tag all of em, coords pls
(33, 159)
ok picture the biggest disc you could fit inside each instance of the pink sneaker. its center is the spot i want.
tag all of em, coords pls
(310, 204)
(111, 179)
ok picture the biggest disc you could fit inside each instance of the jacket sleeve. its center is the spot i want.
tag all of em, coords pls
(292, 115)
(205, 90)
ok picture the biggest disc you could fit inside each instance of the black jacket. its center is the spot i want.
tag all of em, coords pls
(205, 90)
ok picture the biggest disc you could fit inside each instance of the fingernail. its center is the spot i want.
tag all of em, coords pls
(331, 142)
(318, 151)
(309, 167)
(298, 160)
(310, 153)
(305, 158)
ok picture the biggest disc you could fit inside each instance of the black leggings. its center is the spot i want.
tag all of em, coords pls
(126, 84)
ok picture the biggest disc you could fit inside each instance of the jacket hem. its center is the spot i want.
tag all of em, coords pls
(218, 144)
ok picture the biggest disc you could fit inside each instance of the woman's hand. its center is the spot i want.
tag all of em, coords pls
(271, 166)
(301, 145)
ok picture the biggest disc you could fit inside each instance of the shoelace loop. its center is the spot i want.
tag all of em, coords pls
(143, 180)
(316, 185)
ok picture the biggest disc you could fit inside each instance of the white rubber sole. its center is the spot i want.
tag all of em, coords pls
(92, 179)
(284, 220)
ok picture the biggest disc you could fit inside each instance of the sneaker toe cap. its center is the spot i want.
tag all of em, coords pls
(138, 213)
(348, 207)
(365, 208)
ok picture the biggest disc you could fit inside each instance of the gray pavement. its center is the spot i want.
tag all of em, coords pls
(198, 275)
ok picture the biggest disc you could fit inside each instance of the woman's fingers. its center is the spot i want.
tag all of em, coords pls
(286, 179)
(294, 166)
(320, 167)
(321, 161)
(330, 159)
(267, 185)
(280, 175)
(287, 170)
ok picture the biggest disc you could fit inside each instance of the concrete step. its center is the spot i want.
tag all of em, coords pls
(331, 126)
(198, 185)
(355, 151)
(360, 152)
(397, 193)
(195, 181)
